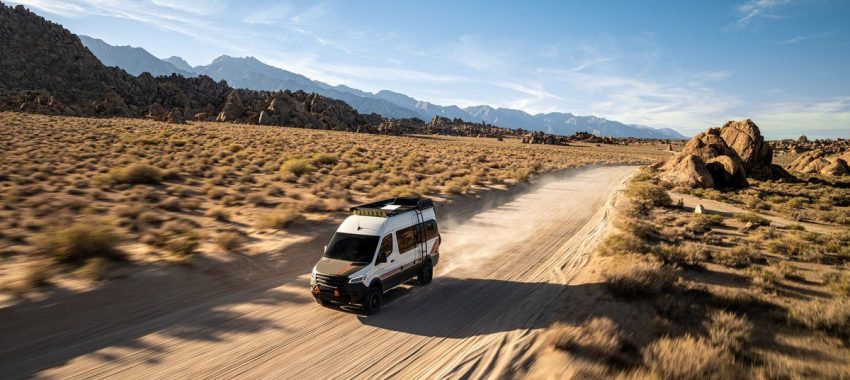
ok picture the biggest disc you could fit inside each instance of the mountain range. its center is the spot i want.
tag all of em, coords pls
(251, 73)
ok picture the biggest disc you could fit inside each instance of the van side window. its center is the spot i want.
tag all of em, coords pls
(406, 239)
(386, 246)
(431, 229)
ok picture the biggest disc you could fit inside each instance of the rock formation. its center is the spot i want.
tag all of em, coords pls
(723, 158)
(46, 69)
(819, 162)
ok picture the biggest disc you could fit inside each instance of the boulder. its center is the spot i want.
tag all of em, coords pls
(727, 173)
(233, 108)
(265, 118)
(699, 210)
(687, 170)
(708, 145)
(175, 117)
(836, 168)
(746, 140)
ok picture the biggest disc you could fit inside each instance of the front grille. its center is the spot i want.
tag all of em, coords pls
(331, 281)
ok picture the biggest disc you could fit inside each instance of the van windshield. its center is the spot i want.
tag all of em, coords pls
(351, 247)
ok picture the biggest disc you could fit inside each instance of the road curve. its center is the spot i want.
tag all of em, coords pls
(501, 279)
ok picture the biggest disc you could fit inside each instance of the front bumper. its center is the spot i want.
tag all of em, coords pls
(348, 293)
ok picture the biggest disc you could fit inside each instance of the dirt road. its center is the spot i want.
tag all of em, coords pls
(500, 281)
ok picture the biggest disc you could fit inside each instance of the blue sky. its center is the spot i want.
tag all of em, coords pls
(687, 65)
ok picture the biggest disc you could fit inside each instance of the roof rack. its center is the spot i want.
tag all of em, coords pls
(393, 206)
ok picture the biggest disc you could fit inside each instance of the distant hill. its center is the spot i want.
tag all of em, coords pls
(179, 63)
(47, 69)
(132, 59)
(251, 73)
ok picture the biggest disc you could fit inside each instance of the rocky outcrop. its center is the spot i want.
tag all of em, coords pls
(47, 70)
(746, 140)
(819, 162)
(233, 108)
(727, 155)
(687, 170)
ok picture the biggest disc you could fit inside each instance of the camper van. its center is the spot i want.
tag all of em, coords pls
(379, 246)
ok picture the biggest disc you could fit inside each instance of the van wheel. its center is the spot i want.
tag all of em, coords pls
(322, 301)
(426, 274)
(373, 300)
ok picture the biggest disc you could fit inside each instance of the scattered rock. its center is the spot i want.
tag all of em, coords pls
(699, 210)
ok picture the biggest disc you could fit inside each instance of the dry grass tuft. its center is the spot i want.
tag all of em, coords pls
(728, 331)
(279, 219)
(687, 358)
(643, 279)
(81, 241)
(136, 174)
(598, 340)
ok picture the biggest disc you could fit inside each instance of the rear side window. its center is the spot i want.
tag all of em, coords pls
(431, 229)
(406, 239)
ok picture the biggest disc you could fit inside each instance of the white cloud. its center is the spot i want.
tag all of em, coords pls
(792, 40)
(753, 10)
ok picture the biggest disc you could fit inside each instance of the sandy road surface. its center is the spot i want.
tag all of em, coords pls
(500, 281)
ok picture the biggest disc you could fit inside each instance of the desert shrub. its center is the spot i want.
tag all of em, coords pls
(219, 214)
(702, 223)
(839, 281)
(640, 280)
(620, 244)
(755, 219)
(171, 204)
(654, 194)
(788, 271)
(642, 230)
(216, 193)
(228, 241)
(35, 274)
(687, 358)
(278, 219)
(136, 174)
(740, 256)
(728, 331)
(832, 316)
(297, 166)
(81, 241)
(790, 247)
(94, 269)
(763, 278)
(256, 199)
(323, 159)
(598, 339)
(690, 255)
(520, 175)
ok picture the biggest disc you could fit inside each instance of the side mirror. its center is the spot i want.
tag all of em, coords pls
(381, 258)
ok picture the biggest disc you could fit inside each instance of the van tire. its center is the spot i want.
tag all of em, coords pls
(373, 300)
(322, 301)
(426, 274)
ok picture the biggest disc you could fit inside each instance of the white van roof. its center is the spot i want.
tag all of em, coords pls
(378, 218)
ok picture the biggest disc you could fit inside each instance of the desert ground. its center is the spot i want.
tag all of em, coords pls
(123, 235)
(83, 198)
(755, 286)
(489, 302)
(136, 248)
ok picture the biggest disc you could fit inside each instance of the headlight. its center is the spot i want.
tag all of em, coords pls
(357, 280)
(313, 274)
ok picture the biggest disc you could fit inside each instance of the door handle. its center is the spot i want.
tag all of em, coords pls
(392, 261)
